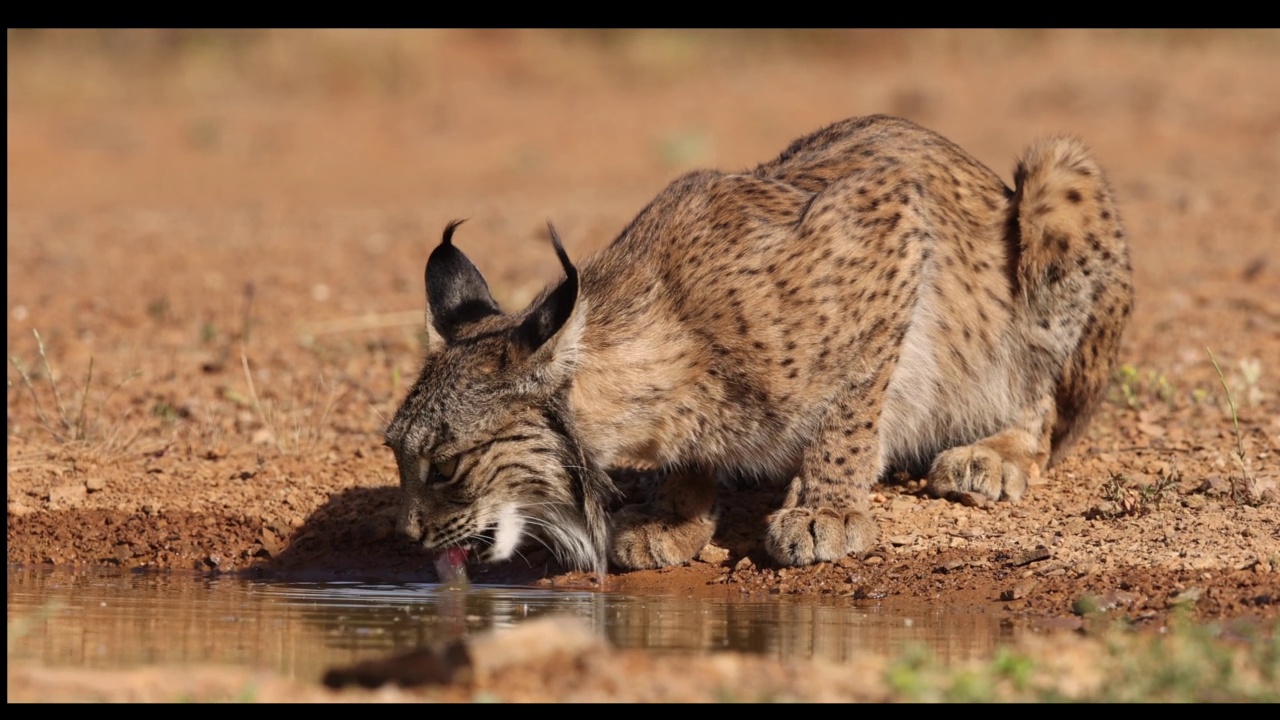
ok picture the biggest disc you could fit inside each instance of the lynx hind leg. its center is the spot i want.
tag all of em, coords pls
(1073, 302)
(1075, 277)
(998, 467)
(671, 528)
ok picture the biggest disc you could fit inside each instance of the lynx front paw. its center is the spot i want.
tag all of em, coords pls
(979, 469)
(643, 538)
(803, 536)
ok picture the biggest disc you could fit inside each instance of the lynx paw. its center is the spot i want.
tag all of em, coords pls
(979, 469)
(803, 536)
(643, 538)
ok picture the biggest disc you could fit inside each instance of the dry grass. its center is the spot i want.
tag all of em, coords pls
(67, 422)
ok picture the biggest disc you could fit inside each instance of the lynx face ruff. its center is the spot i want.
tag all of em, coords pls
(872, 297)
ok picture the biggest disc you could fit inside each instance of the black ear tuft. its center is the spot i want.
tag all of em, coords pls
(554, 310)
(456, 291)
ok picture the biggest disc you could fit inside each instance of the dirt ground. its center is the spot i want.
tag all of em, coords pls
(220, 240)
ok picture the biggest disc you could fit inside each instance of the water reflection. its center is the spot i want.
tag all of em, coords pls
(103, 619)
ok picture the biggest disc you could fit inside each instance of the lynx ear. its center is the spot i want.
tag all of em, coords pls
(456, 291)
(553, 327)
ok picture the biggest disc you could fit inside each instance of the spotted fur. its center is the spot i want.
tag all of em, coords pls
(872, 297)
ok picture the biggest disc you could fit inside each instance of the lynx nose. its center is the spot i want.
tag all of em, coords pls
(408, 525)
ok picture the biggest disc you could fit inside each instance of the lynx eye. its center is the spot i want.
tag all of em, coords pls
(445, 469)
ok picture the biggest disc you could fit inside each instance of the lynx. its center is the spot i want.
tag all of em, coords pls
(873, 297)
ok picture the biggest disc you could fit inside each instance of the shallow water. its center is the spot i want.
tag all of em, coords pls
(104, 619)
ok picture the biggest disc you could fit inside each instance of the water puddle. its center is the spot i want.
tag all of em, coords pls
(104, 619)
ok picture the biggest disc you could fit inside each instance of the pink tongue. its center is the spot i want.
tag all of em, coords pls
(451, 566)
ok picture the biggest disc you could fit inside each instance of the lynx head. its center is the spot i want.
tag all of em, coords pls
(485, 441)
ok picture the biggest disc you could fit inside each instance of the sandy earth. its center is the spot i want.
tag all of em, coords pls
(220, 244)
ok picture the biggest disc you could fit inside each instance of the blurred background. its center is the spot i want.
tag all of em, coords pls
(381, 117)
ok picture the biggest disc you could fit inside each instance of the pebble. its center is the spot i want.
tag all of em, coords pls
(1019, 590)
(713, 554)
(270, 542)
(949, 565)
(1186, 597)
(94, 484)
(1074, 525)
(67, 496)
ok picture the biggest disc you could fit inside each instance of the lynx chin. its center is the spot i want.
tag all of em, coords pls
(873, 297)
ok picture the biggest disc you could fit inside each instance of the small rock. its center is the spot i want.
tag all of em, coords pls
(213, 560)
(17, 509)
(270, 542)
(1215, 485)
(973, 532)
(743, 565)
(900, 540)
(1019, 590)
(1074, 525)
(1151, 429)
(1193, 502)
(1027, 557)
(864, 592)
(1204, 563)
(971, 499)
(873, 560)
(67, 496)
(1118, 598)
(94, 484)
(1186, 597)
(949, 566)
(151, 509)
(263, 436)
(713, 554)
